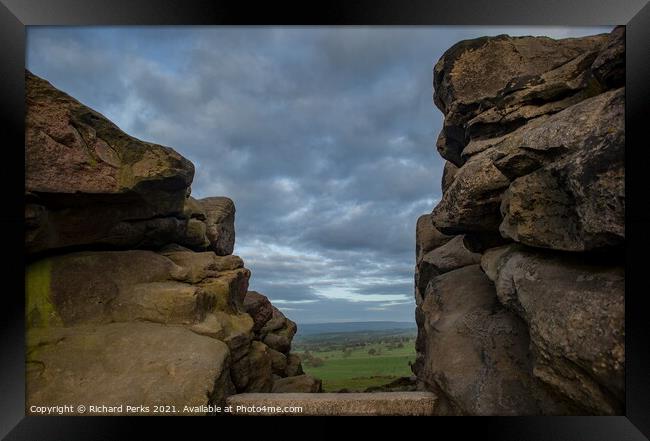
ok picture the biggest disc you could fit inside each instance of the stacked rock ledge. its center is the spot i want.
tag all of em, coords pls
(519, 271)
(133, 296)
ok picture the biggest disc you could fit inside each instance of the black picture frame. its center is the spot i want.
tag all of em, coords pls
(635, 14)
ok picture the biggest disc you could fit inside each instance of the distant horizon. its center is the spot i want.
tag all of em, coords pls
(356, 321)
(356, 327)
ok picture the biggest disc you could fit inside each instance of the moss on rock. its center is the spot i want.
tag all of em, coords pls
(39, 309)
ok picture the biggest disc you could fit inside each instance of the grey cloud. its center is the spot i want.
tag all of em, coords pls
(287, 291)
(392, 288)
(342, 310)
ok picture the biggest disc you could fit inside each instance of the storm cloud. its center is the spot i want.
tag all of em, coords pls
(324, 138)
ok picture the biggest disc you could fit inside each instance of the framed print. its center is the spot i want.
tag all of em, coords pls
(350, 208)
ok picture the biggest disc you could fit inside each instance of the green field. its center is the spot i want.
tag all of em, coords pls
(358, 361)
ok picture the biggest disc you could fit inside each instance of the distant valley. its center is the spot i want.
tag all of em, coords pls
(355, 356)
(305, 329)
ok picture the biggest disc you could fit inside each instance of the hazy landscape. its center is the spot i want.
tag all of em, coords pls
(354, 356)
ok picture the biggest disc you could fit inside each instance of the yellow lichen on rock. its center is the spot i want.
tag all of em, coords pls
(39, 309)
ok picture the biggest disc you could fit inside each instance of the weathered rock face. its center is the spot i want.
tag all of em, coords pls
(576, 315)
(609, 66)
(164, 315)
(577, 202)
(527, 124)
(294, 366)
(278, 332)
(258, 307)
(71, 148)
(254, 373)
(128, 364)
(491, 85)
(533, 186)
(220, 221)
(427, 237)
(482, 349)
(447, 257)
(80, 166)
(106, 286)
(89, 182)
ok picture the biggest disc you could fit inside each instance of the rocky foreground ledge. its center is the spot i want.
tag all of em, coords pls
(133, 296)
(520, 279)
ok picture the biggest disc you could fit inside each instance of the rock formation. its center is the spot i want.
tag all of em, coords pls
(133, 296)
(519, 280)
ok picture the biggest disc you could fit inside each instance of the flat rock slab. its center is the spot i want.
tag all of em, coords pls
(379, 403)
(124, 369)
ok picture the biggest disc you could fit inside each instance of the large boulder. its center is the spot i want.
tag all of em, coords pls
(294, 366)
(278, 362)
(228, 289)
(474, 353)
(448, 175)
(576, 203)
(220, 221)
(278, 332)
(575, 312)
(475, 76)
(80, 166)
(201, 265)
(105, 286)
(427, 237)
(237, 332)
(609, 66)
(133, 296)
(552, 113)
(254, 372)
(71, 148)
(450, 256)
(534, 142)
(89, 286)
(471, 202)
(125, 364)
(258, 307)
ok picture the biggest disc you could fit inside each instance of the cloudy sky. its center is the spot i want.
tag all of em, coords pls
(324, 137)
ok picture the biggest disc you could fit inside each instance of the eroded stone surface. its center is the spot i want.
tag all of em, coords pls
(220, 221)
(576, 203)
(450, 256)
(473, 352)
(576, 314)
(125, 364)
(534, 140)
(427, 237)
(81, 166)
(474, 76)
(259, 307)
(148, 308)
